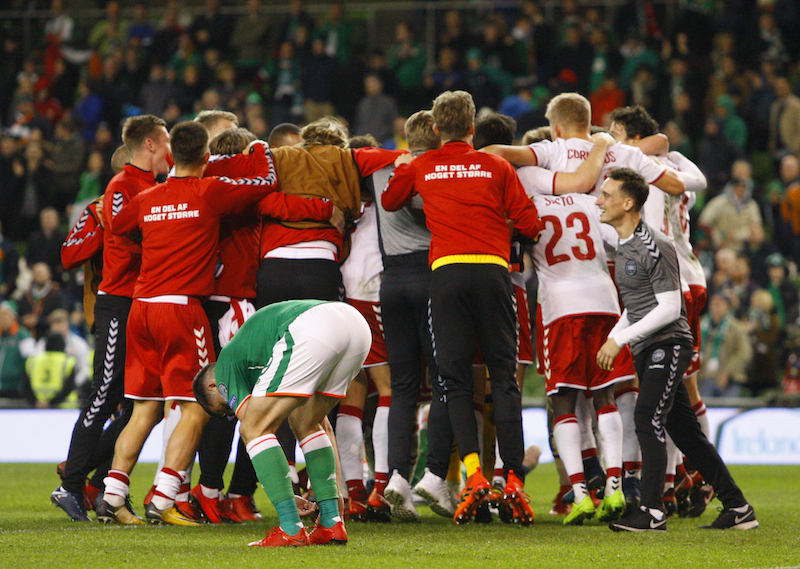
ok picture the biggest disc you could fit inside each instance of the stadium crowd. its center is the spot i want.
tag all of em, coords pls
(725, 100)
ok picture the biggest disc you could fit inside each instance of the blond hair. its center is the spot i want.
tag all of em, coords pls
(420, 134)
(231, 141)
(569, 110)
(536, 135)
(454, 114)
(327, 130)
(209, 118)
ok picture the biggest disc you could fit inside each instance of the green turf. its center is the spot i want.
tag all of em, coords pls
(35, 534)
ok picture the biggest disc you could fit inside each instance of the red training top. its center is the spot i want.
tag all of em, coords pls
(467, 196)
(179, 221)
(84, 241)
(121, 257)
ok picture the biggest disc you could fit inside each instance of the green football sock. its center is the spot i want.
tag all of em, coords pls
(273, 473)
(321, 467)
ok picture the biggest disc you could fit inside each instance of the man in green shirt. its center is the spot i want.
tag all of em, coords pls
(290, 360)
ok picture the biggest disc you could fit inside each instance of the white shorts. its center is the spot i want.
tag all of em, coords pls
(322, 351)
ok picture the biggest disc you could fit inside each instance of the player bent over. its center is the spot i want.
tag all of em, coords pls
(291, 360)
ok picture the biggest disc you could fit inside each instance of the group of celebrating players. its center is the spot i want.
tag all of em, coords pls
(427, 246)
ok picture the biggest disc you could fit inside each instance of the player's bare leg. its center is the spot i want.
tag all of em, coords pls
(145, 416)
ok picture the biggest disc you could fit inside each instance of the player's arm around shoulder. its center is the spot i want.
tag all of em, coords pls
(518, 205)
(401, 185)
(585, 177)
(517, 155)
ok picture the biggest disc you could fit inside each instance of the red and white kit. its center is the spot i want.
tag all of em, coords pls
(691, 269)
(566, 155)
(578, 299)
(361, 275)
(179, 223)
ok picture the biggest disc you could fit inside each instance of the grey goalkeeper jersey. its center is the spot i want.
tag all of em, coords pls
(403, 231)
(647, 265)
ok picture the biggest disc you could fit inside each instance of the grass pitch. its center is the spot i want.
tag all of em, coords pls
(33, 533)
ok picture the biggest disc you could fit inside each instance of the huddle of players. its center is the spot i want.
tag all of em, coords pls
(568, 254)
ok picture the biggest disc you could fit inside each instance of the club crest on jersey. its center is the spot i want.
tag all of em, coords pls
(223, 390)
(658, 355)
(630, 268)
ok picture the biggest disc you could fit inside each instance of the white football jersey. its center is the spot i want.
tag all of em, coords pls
(566, 155)
(361, 272)
(570, 258)
(537, 181)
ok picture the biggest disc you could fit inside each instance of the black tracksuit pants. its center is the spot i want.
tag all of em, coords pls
(469, 301)
(90, 445)
(404, 309)
(664, 404)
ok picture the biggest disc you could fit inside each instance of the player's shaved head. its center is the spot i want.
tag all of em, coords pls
(120, 157)
(205, 391)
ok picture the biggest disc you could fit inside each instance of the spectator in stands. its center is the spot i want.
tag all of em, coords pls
(298, 17)
(285, 75)
(486, 93)
(249, 38)
(44, 245)
(453, 35)
(377, 111)
(111, 34)
(155, 92)
(726, 350)
(51, 374)
(336, 32)
(446, 76)
(759, 103)
(88, 109)
(575, 55)
(74, 346)
(733, 216)
(32, 183)
(407, 62)
(9, 267)
(10, 189)
(319, 81)
(784, 293)
(211, 28)
(41, 298)
(12, 362)
(635, 54)
(66, 162)
(715, 156)
(605, 99)
(764, 327)
(784, 120)
(606, 61)
(141, 29)
(734, 128)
